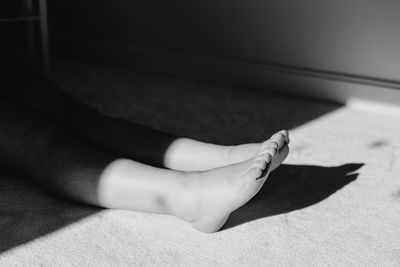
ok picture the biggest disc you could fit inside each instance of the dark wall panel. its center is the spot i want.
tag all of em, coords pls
(344, 36)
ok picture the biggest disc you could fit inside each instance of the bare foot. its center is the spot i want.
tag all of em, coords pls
(180, 156)
(239, 153)
(213, 195)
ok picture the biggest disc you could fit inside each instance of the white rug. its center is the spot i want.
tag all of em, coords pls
(336, 202)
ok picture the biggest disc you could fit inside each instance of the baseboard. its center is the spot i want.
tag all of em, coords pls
(380, 95)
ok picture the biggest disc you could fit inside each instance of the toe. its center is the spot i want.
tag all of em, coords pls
(266, 144)
(271, 151)
(274, 144)
(254, 173)
(268, 162)
(279, 139)
(286, 136)
(268, 158)
(263, 157)
(261, 164)
(271, 145)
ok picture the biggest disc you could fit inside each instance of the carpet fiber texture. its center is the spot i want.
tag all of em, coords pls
(334, 202)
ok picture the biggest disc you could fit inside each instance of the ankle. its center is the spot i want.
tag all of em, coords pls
(184, 202)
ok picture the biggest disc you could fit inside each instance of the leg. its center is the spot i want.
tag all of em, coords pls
(64, 166)
(129, 139)
(38, 149)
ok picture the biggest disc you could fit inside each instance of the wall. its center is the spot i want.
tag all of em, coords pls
(347, 40)
(350, 36)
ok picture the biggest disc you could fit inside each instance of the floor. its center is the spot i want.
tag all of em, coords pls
(335, 201)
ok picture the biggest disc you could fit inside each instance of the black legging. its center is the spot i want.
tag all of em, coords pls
(38, 95)
(50, 137)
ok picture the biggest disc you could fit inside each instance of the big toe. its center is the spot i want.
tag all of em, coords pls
(280, 138)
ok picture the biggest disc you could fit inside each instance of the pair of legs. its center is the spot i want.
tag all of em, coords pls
(74, 151)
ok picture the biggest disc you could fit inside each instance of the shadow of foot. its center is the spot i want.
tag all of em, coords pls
(293, 187)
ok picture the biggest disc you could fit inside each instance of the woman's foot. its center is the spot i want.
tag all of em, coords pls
(211, 196)
(190, 155)
(239, 153)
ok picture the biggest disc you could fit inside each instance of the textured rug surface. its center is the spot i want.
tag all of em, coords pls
(335, 201)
